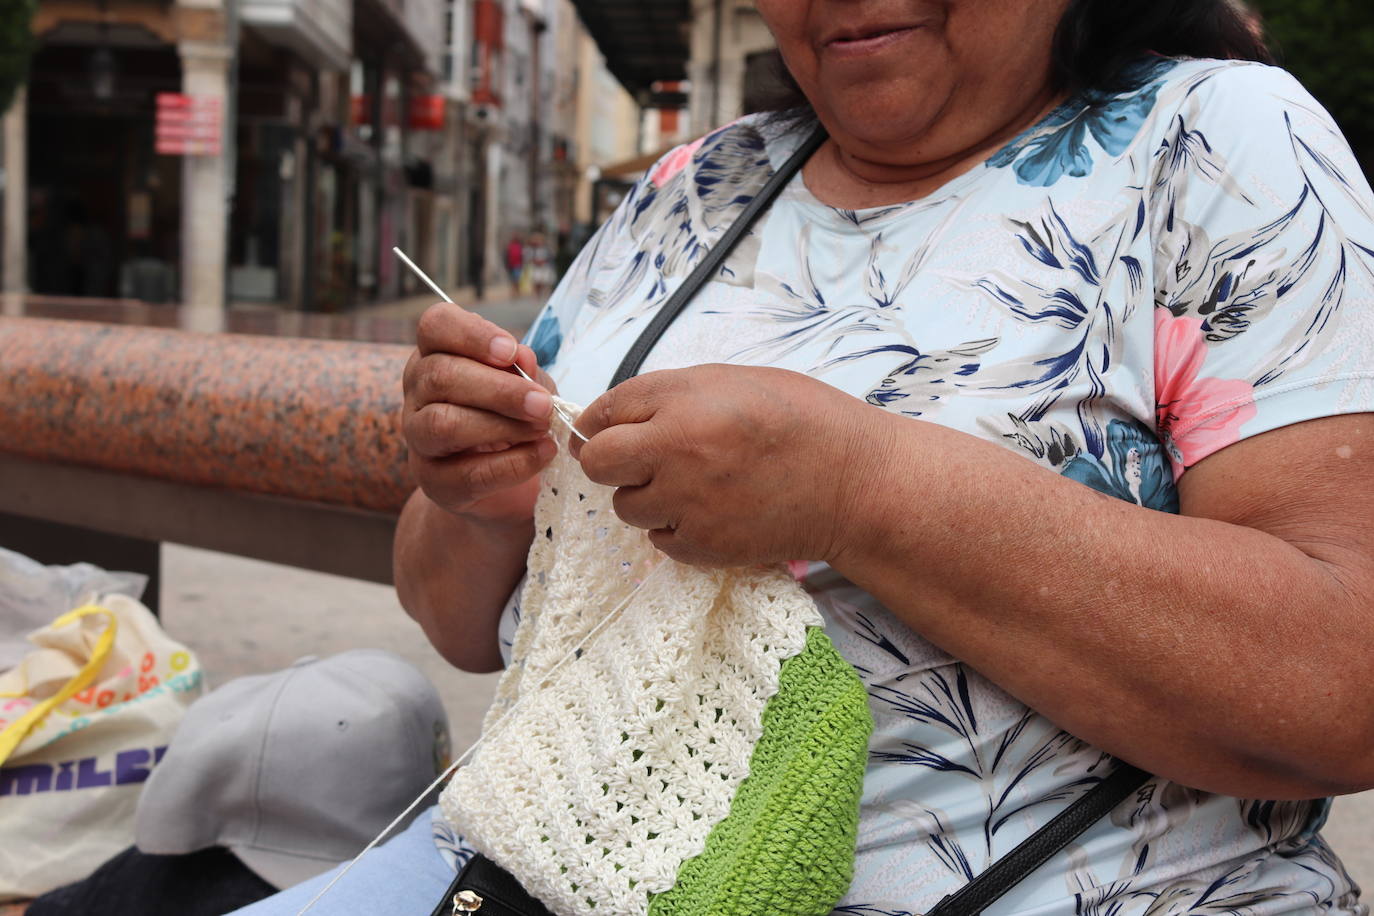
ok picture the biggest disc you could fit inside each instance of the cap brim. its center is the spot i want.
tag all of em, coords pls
(282, 869)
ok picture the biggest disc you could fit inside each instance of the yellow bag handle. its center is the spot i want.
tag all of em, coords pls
(18, 730)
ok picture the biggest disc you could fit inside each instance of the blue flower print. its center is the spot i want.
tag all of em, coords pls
(1058, 146)
(546, 338)
(1139, 471)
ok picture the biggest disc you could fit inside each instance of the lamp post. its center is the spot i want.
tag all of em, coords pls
(102, 63)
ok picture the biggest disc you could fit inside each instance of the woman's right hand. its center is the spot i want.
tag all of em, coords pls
(477, 433)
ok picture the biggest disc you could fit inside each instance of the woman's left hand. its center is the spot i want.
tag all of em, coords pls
(734, 465)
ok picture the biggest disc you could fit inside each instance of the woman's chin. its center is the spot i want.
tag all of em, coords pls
(880, 119)
(882, 139)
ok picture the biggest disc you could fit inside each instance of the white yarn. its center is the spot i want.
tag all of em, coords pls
(569, 656)
(595, 789)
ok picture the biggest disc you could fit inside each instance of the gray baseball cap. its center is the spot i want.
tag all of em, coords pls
(297, 770)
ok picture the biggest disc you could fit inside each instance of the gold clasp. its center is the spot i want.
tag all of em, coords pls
(466, 902)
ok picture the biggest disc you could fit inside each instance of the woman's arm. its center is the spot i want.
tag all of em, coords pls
(1227, 649)
(477, 437)
(453, 575)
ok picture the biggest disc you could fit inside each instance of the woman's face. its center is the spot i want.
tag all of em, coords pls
(906, 81)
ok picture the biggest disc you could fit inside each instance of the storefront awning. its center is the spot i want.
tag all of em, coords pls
(629, 170)
(643, 41)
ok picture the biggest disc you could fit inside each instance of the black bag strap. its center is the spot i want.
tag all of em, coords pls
(503, 895)
(1036, 849)
(708, 266)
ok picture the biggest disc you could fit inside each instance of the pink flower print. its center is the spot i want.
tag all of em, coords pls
(675, 162)
(1195, 416)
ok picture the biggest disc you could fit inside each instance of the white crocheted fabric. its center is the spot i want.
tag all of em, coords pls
(592, 787)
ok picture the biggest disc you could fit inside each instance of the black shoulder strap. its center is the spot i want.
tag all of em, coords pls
(1036, 849)
(708, 266)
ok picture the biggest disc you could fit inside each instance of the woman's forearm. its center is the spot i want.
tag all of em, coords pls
(453, 576)
(1215, 654)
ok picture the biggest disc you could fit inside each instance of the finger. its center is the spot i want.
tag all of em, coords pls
(526, 360)
(439, 430)
(446, 328)
(632, 401)
(408, 380)
(464, 479)
(619, 457)
(642, 507)
(543, 378)
(441, 377)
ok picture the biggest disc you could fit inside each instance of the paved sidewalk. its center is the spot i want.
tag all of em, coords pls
(244, 616)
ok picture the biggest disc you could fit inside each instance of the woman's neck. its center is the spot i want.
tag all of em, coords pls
(852, 179)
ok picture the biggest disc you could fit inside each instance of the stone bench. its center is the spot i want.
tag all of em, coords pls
(115, 438)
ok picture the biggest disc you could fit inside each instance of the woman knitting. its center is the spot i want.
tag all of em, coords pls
(1054, 365)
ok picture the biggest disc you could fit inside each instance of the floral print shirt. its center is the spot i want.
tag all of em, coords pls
(1142, 278)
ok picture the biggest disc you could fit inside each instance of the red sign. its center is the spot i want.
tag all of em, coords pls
(427, 112)
(360, 109)
(188, 125)
(488, 32)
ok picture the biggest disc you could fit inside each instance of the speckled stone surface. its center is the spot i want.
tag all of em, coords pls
(309, 419)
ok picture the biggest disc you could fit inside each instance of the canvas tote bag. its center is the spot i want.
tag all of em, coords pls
(83, 720)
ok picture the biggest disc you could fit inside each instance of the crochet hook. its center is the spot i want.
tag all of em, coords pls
(445, 296)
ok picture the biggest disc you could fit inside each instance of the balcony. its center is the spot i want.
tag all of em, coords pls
(644, 41)
(413, 27)
(320, 31)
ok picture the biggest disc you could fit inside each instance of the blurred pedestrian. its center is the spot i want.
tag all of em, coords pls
(539, 265)
(515, 259)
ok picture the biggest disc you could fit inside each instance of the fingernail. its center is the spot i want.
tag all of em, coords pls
(538, 405)
(502, 349)
(546, 449)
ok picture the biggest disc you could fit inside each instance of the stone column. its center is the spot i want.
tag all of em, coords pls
(293, 262)
(15, 267)
(204, 194)
(497, 278)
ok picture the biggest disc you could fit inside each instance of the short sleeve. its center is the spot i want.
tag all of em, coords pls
(545, 336)
(1263, 228)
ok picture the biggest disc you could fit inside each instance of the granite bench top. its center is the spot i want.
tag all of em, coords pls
(308, 419)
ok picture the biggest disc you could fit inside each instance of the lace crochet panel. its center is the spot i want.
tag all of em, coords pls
(609, 775)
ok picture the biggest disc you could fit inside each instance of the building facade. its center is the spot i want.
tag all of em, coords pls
(272, 152)
(542, 113)
(202, 152)
(91, 204)
(732, 63)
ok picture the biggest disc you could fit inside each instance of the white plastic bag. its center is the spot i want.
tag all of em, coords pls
(33, 595)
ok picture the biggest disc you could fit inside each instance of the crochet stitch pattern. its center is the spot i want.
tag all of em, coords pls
(704, 752)
(787, 845)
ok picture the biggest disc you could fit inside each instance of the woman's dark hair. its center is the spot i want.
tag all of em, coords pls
(1097, 38)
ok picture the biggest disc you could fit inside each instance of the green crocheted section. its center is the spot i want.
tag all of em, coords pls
(787, 846)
